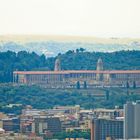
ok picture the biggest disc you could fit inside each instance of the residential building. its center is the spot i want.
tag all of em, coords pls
(43, 124)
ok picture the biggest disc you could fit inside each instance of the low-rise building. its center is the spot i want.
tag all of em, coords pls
(11, 124)
(44, 124)
(112, 113)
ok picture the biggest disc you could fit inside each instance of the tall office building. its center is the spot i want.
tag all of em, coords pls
(132, 120)
(102, 129)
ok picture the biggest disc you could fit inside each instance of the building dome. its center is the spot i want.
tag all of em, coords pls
(57, 66)
(100, 60)
(99, 64)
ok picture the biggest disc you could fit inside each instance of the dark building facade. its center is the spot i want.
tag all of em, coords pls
(106, 128)
(11, 124)
(46, 124)
(132, 120)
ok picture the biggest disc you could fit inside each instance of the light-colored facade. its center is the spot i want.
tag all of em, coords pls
(69, 78)
(57, 66)
(132, 120)
(110, 113)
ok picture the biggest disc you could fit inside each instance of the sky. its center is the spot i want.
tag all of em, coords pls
(98, 18)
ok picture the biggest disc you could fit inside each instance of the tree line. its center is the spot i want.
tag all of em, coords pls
(47, 98)
(78, 59)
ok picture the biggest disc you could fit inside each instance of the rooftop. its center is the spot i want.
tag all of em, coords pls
(78, 71)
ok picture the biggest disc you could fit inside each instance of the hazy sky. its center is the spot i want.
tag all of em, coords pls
(101, 18)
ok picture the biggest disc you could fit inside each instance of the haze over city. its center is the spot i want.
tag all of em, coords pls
(97, 18)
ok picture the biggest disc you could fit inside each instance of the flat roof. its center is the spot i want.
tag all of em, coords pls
(79, 71)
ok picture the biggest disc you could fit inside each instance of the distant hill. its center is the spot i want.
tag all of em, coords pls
(52, 45)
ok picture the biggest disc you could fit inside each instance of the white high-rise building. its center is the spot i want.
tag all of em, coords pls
(132, 120)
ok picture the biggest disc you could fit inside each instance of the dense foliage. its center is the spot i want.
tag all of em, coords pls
(122, 60)
(10, 61)
(48, 98)
(71, 60)
(72, 134)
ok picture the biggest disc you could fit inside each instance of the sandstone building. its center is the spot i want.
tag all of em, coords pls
(69, 78)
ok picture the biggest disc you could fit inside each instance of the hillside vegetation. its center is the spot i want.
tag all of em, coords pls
(48, 98)
(39, 97)
(71, 60)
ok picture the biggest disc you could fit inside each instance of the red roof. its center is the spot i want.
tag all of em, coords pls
(78, 71)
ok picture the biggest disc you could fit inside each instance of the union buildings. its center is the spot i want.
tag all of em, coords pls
(69, 78)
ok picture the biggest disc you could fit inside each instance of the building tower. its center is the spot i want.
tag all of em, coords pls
(57, 66)
(99, 65)
(99, 76)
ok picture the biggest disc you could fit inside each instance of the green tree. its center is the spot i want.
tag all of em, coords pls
(77, 50)
(134, 85)
(85, 85)
(107, 95)
(127, 85)
(78, 85)
(82, 49)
